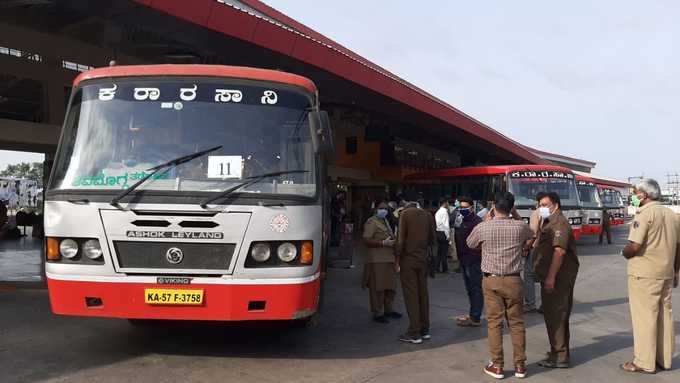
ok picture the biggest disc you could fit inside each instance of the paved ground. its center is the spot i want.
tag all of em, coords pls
(345, 347)
(20, 259)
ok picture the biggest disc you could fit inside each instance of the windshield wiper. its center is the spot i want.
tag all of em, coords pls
(154, 170)
(249, 181)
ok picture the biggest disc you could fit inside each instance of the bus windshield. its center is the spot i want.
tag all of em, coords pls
(588, 194)
(612, 198)
(526, 184)
(117, 130)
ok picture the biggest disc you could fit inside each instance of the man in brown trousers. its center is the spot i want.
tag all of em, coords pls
(556, 266)
(379, 274)
(504, 242)
(416, 234)
(653, 254)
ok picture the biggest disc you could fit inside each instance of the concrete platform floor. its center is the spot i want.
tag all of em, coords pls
(344, 347)
(20, 259)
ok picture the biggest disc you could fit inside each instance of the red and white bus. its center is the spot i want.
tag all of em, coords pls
(188, 192)
(610, 192)
(524, 181)
(591, 205)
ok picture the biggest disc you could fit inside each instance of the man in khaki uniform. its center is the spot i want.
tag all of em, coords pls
(379, 274)
(653, 254)
(556, 266)
(416, 234)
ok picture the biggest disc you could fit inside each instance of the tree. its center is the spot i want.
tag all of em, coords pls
(33, 171)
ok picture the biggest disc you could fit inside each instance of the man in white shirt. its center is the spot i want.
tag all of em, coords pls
(443, 231)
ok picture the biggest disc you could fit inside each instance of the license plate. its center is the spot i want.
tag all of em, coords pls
(173, 297)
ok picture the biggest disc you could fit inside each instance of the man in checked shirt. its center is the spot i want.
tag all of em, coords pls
(504, 242)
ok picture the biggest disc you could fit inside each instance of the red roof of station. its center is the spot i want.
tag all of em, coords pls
(262, 25)
(197, 70)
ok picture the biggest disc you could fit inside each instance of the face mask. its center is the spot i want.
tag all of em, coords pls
(635, 200)
(544, 212)
(381, 213)
(464, 212)
(457, 203)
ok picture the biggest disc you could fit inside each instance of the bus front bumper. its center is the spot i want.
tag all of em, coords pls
(221, 302)
(591, 229)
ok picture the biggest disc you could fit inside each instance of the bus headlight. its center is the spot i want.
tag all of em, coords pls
(68, 248)
(91, 249)
(260, 252)
(287, 252)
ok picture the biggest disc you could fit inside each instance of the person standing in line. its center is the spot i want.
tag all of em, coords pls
(606, 227)
(453, 252)
(470, 263)
(485, 209)
(529, 278)
(504, 242)
(653, 254)
(379, 274)
(416, 233)
(556, 266)
(441, 218)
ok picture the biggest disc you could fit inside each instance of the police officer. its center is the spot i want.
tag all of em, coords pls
(379, 265)
(416, 234)
(556, 266)
(653, 254)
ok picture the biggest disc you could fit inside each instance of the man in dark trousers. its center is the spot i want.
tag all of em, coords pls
(556, 266)
(470, 263)
(416, 233)
(606, 228)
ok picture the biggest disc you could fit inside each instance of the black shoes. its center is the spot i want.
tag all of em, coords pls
(393, 315)
(380, 319)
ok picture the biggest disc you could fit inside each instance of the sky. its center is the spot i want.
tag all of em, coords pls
(597, 80)
(8, 157)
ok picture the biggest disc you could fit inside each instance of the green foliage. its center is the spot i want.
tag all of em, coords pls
(32, 171)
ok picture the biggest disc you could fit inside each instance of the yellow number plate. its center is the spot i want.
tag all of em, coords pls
(173, 297)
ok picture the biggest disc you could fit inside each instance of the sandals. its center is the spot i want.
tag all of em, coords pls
(631, 367)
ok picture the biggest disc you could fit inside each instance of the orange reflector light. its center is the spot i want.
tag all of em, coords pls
(53, 249)
(307, 253)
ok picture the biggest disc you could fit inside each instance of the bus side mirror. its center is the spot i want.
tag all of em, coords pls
(322, 136)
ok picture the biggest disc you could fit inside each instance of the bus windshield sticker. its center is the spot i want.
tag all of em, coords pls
(269, 97)
(142, 94)
(224, 167)
(107, 94)
(122, 180)
(228, 95)
(541, 174)
(188, 94)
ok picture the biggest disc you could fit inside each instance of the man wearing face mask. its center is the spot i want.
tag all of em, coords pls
(379, 265)
(653, 254)
(556, 266)
(470, 263)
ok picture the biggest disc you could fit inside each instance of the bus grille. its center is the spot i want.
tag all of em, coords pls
(201, 257)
